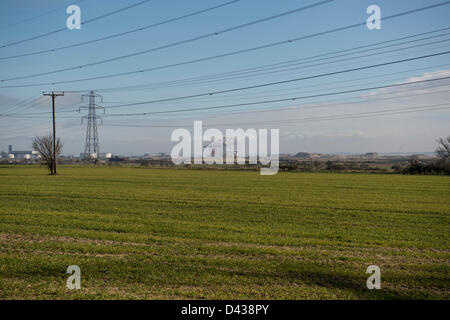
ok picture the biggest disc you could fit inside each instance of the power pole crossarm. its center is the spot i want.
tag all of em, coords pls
(53, 95)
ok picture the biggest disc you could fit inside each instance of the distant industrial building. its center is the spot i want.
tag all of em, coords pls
(23, 154)
(106, 155)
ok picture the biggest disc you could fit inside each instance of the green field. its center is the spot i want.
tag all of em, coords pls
(140, 233)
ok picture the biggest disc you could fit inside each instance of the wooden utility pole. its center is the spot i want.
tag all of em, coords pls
(53, 95)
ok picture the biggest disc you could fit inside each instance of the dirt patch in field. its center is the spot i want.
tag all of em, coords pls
(34, 238)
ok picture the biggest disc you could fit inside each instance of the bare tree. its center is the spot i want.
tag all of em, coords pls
(44, 146)
(443, 150)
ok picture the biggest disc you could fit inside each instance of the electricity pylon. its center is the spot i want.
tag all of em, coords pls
(92, 145)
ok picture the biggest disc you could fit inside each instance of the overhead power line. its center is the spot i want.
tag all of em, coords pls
(314, 105)
(258, 73)
(19, 105)
(335, 88)
(121, 33)
(8, 112)
(83, 23)
(271, 84)
(328, 104)
(282, 121)
(216, 56)
(282, 81)
(277, 100)
(208, 35)
(368, 113)
(310, 119)
(37, 16)
(343, 102)
(318, 57)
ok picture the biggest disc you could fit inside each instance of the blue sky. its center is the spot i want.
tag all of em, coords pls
(396, 133)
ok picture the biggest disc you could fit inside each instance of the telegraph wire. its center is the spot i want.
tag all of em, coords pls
(208, 35)
(321, 85)
(291, 120)
(277, 90)
(21, 103)
(100, 77)
(121, 33)
(371, 113)
(246, 95)
(319, 90)
(334, 103)
(319, 66)
(36, 17)
(310, 119)
(211, 57)
(83, 23)
(228, 54)
(282, 81)
(29, 105)
(86, 79)
(341, 101)
(262, 74)
(272, 66)
(277, 83)
(277, 100)
(313, 105)
(297, 88)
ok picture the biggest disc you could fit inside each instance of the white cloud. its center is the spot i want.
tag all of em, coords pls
(427, 85)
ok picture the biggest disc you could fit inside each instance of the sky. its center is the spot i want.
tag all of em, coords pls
(401, 118)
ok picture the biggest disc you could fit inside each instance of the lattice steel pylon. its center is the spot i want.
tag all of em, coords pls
(92, 145)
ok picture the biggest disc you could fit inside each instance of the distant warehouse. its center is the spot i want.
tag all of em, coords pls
(14, 154)
(106, 155)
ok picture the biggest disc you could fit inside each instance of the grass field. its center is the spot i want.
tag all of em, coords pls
(173, 234)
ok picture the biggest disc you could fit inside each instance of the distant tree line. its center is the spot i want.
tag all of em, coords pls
(337, 165)
(439, 166)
